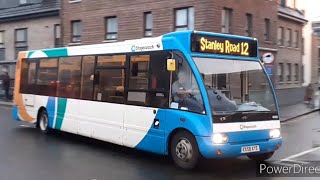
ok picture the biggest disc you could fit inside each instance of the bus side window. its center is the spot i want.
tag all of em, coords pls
(87, 77)
(69, 79)
(110, 79)
(149, 80)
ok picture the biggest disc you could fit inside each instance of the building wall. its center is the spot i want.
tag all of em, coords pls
(40, 34)
(315, 59)
(291, 55)
(130, 17)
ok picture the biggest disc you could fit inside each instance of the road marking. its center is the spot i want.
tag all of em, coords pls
(295, 161)
(300, 154)
(283, 164)
(26, 126)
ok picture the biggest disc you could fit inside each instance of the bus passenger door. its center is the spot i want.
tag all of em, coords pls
(146, 93)
(143, 128)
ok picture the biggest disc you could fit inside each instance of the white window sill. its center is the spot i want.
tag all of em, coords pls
(74, 44)
(74, 1)
(109, 41)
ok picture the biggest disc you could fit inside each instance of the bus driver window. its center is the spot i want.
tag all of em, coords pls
(185, 90)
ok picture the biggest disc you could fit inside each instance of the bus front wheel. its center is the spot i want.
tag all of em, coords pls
(43, 122)
(184, 150)
(261, 157)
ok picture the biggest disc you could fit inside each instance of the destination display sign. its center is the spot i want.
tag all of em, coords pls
(223, 45)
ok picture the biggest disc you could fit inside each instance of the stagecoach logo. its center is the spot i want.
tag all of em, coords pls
(243, 127)
(142, 48)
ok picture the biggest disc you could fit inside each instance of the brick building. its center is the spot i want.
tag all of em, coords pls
(289, 64)
(101, 21)
(315, 71)
(26, 24)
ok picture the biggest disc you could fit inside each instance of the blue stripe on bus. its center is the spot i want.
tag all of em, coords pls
(154, 139)
(15, 112)
(51, 105)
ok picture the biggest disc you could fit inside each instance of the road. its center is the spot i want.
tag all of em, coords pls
(27, 154)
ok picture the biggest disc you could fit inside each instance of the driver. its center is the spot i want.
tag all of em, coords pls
(184, 95)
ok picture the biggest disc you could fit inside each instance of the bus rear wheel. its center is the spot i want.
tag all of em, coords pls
(261, 157)
(43, 122)
(184, 150)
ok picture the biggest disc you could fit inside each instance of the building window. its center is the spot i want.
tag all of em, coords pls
(249, 24)
(148, 24)
(184, 19)
(296, 39)
(289, 38)
(283, 3)
(76, 31)
(280, 72)
(296, 72)
(57, 35)
(21, 40)
(226, 20)
(2, 48)
(289, 72)
(111, 24)
(267, 30)
(280, 36)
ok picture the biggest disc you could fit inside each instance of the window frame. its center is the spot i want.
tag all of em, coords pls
(249, 27)
(267, 29)
(289, 43)
(281, 36)
(226, 12)
(106, 25)
(187, 8)
(289, 72)
(57, 40)
(73, 36)
(146, 30)
(20, 44)
(296, 72)
(2, 46)
(281, 75)
(296, 34)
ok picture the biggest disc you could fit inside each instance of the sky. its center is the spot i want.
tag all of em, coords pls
(311, 7)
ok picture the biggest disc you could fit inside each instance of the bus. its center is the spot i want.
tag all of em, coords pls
(187, 94)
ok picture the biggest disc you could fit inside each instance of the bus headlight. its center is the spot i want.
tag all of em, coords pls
(219, 138)
(275, 133)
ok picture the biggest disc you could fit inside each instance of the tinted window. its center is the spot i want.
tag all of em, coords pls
(111, 61)
(149, 80)
(69, 77)
(110, 79)
(47, 77)
(87, 77)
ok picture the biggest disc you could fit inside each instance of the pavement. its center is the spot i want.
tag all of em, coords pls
(286, 112)
(294, 111)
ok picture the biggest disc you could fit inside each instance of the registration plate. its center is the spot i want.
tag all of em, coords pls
(248, 149)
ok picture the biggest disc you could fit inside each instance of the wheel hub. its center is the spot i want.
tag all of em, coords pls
(43, 123)
(184, 150)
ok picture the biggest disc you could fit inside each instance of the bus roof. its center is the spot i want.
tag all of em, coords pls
(135, 45)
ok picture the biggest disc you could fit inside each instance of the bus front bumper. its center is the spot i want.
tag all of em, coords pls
(210, 150)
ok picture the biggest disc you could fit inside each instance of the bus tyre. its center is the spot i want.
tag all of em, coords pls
(261, 157)
(184, 150)
(43, 122)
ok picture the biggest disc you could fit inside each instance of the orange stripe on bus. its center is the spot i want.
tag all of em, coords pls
(18, 99)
